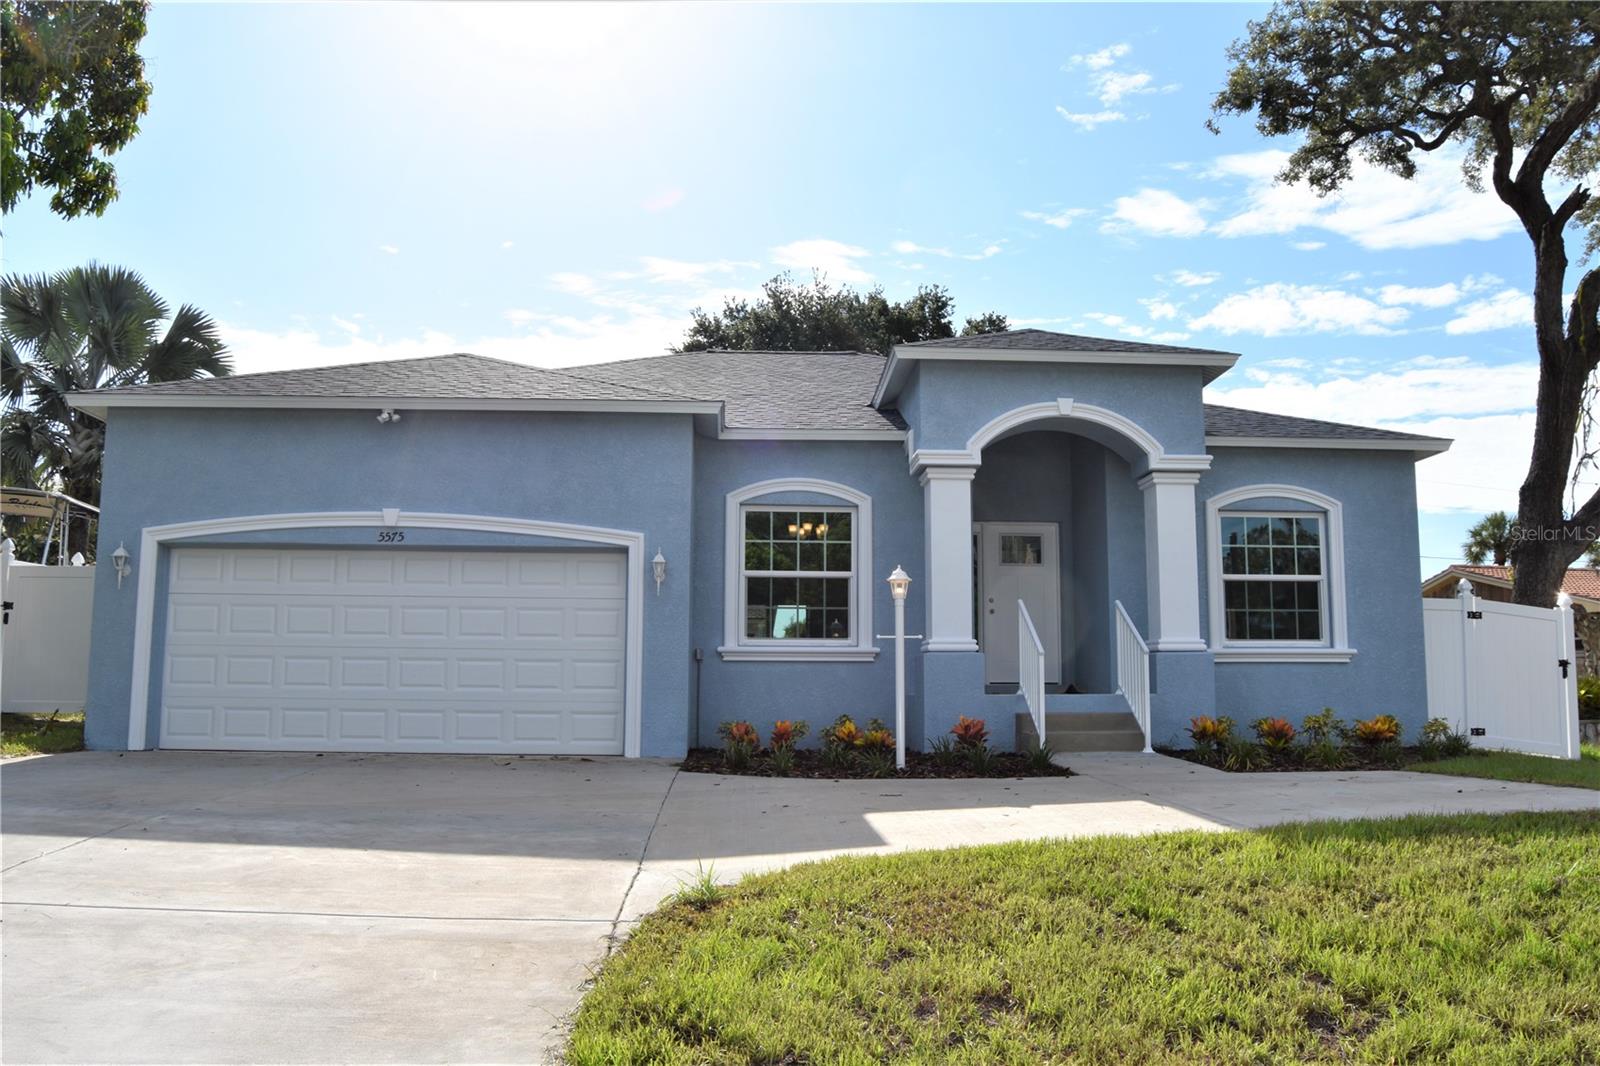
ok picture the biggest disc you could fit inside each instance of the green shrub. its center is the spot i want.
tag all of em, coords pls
(1323, 727)
(980, 759)
(945, 752)
(1441, 741)
(783, 761)
(1589, 697)
(877, 761)
(1325, 754)
(1241, 754)
(1039, 758)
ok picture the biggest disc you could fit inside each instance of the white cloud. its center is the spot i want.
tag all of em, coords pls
(1191, 278)
(1309, 246)
(1486, 410)
(1102, 59)
(1112, 85)
(678, 271)
(1157, 212)
(1504, 310)
(388, 249)
(912, 248)
(1437, 296)
(834, 258)
(508, 244)
(1134, 329)
(1160, 308)
(1060, 219)
(1088, 120)
(1375, 209)
(1279, 308)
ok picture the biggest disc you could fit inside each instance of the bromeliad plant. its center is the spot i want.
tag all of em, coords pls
(971, 732)
(1275, 734)
(739, 743)
(785, 735)
(839, 742)
(1375, 731)
(1209, 733)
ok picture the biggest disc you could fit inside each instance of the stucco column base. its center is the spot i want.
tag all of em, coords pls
(1182, 684)
(952, 686)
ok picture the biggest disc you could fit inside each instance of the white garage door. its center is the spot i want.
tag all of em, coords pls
(395, 650)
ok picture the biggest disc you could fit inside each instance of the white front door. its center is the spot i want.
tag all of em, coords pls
(296, 649)
(1019, 561)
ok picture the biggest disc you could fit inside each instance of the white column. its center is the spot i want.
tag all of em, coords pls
(947, 512)
(1172, 560)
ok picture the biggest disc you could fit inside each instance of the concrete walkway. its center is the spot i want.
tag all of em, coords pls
(228, 908)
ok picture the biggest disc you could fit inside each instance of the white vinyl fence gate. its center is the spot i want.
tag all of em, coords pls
(1503, 673)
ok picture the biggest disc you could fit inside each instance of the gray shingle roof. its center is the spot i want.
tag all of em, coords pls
(759, 390)
(1043, 340)
(441, 377)
(767, 390)
(1237, 422)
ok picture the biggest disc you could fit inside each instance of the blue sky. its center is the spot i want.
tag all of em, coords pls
(561, 184)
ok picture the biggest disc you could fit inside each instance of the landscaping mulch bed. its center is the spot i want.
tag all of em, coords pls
(808, 762)
(1294, 762)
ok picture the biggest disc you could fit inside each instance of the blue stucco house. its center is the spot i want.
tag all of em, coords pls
(459, 554)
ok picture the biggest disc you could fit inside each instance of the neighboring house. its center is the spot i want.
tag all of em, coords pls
(1494, 583)
(456, 553)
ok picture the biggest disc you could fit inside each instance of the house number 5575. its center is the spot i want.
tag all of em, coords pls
(391, 536)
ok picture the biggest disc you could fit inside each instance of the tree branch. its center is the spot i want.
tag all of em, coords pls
(1556, 134)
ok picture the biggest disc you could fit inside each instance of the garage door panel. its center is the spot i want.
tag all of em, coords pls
(418, 651)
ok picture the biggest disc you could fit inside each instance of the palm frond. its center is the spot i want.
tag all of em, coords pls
(31, 314)
(115, 312)
(192, 347)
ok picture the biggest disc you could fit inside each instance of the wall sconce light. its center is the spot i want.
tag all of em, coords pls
(119, 562)
(659, 566)
(388, 415)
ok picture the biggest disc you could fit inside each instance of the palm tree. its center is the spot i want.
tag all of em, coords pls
(90, 327)
(1491, 537)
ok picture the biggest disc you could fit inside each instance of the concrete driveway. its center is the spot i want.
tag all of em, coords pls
(178, 907)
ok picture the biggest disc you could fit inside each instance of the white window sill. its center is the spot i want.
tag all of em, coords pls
(814, 654)
(1283, 655)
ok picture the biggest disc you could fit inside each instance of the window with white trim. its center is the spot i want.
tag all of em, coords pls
(797, 581)
(1274, 577)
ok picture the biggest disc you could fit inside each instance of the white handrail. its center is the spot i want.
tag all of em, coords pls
(1030, 665)
(1133, 670)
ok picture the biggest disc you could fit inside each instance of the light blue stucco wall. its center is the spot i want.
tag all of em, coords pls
(1377, 490)
(622, 472)
(764, 692)
(952, 400)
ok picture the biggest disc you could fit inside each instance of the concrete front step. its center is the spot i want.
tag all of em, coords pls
(1083, 731)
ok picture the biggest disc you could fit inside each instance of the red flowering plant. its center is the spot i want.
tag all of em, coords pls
(971, 732)
(1275, 734)
(1377, 730)
(1208, 732)
(785, 735)
(739, 742)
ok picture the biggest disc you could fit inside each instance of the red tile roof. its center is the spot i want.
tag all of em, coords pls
(1580, 581)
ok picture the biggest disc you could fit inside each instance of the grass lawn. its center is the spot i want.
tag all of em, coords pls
(1512, 766)
(1466, 939)
(37, 734)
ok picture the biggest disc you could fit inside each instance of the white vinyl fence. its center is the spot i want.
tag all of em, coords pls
(44, 643)
(1503, 673)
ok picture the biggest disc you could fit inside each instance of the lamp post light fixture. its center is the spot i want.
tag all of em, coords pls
(658, 565)
(899, 587)
(119, 563)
